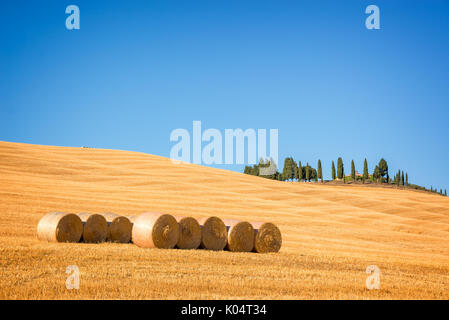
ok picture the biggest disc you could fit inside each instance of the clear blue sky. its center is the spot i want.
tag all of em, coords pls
(136, 70)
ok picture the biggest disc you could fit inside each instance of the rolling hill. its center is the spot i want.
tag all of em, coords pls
(330, 233)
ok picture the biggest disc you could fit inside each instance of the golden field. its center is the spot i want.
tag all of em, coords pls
(331, 233)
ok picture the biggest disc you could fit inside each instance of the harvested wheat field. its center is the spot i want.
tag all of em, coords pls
(330, 233)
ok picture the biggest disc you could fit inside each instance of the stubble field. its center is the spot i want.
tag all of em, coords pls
(330, 233)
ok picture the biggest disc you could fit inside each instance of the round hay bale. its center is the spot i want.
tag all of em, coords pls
(95, 227)
(60, 227)
(214, 235)
(132, 219)
(240, 236)
(155, 230)
(189, 233)
(119, 228)
(267, 237)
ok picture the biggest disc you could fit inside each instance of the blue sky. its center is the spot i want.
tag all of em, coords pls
(136, 70)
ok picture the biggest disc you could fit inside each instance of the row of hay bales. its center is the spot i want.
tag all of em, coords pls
(158, 230)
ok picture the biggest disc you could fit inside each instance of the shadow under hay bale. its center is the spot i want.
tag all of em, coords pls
(267, 237)
(214, 235)
(240, 236)
(60, 227)
(189, 233)
(95, 228)
(119, 228)
(155, 230)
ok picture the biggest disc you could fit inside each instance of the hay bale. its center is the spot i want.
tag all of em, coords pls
(60, 227)
(267, 237)
(155, 230)
(214, 235)
(189, 233)
(132, 219)
(119, 228)
(95, 227)
(240, 235)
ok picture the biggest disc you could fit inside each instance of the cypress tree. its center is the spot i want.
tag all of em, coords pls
(307, 172)
(353, 171)
(286, 169)
(344, 176)
(294, 169)
(333, 171)
(320, 171)
(406, 179)
(376, 174)
(383, 169)
(403, 179)
(365, 171)
(445, 193)
(300, 172)
(340, 168)
(289, 171)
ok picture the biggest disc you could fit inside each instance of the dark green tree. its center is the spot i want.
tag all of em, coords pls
(320, 171)
(365, 171)
(333, 171)
(300, 172)
(288, 172)
(353, 171)
(403, 179)
(256, 170)
(376, 174)
(445, 193)
(288, 169)
(295, 170)
(406, 179)
(307, 172)
(383, 169)
(340, 168)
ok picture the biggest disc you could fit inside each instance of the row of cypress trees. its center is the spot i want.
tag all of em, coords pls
(296, 171)
(380, 173)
